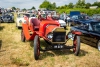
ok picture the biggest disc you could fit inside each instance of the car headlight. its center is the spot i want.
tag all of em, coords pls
(50, 36)
(20, 21)
(63, 24)
(71, 36)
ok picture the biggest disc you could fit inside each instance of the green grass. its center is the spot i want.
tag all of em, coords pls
(14, 53)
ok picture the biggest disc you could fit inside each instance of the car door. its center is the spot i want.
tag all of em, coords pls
(88, 36)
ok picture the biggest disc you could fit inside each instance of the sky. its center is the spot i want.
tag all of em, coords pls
(30, 3)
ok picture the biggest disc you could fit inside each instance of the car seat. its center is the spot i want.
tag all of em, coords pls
(35, 23)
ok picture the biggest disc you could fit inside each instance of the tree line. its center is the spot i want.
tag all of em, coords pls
(49, 5)
(80, 4)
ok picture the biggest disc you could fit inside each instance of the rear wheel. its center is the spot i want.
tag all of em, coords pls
(36, 47)
(22, 36)
(98, 45)
(76, 44)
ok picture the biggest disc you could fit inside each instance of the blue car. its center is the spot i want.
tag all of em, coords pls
(78, 19)
(90, 33)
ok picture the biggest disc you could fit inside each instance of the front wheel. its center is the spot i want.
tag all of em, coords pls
(76, 44)
(98, 45)
(36, 47)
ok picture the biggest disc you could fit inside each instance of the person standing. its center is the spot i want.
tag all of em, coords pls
(68, 20)
(39, 14)
(64, 16)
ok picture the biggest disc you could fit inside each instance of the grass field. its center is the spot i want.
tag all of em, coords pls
(14, 53)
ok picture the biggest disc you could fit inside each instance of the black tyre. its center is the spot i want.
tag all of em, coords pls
(22, 36)
(36, 47)
(76, 44)
(18, 27)
(98, 45)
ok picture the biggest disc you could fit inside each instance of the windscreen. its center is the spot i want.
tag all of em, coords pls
(96, 26)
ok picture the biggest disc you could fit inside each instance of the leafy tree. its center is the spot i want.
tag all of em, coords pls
(24, 9)
(33, 7)
(66, 5)
(58, 7)
(78, 4)
(54, 5)
(46, 4)
(13, 8)
(96, 4)
(83, 3)
(70, 5)
(17, 9)
(88, 5)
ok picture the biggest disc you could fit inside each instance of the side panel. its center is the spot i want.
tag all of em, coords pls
(26, 31)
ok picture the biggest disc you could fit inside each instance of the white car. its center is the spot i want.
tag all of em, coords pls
(62, 23)
(20, 18)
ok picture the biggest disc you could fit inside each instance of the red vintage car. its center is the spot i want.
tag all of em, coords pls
(51, 32)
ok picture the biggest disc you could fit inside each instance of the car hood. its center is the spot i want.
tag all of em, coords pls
(84, 21)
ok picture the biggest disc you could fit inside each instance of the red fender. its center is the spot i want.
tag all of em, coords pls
(76, 32)
(27, 33)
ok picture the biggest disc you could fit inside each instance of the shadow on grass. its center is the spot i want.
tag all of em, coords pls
(1, 28)
(52, 53)
(64, 52)
(89, 42)
(1, 46)
(82, 53)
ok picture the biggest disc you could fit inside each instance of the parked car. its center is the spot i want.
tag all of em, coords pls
(53, 16)
(7, 17)
(90, 32)
(62, 17)
(52, 34)
(78, 19)
(96, 17)
(20, 18)
(1, 19)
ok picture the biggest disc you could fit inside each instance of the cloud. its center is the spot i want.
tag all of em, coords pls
(30, 3)
(99, 0)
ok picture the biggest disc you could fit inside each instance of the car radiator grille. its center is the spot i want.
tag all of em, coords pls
(59, 36)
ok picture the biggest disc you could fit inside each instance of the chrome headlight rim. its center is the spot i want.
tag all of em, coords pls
(71, 36)
(20, 21)
(50, 35)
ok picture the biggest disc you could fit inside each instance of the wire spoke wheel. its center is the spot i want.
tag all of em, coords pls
(76, 44)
